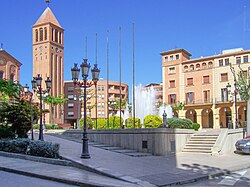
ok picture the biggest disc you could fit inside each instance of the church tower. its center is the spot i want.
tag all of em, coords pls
(48, 57)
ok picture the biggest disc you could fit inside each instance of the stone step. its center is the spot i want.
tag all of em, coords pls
(200, 145)
(200, 142)
(197, 148)
(205, 137)
(195, 151)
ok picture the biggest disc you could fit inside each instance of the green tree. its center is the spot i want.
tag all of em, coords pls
(18, 116)
(101, 123)
(115, 122)
(152, 121)
(54, 101)
(89, 121)
(9, 90)
(129, 123)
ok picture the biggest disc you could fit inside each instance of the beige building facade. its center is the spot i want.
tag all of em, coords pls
(48, 56)
(201, 84)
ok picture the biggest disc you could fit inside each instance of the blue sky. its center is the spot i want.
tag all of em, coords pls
(202, 27)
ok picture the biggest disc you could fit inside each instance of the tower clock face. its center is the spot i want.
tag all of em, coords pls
(41, 48)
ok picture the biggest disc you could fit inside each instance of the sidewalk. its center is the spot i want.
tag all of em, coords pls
(151, 170)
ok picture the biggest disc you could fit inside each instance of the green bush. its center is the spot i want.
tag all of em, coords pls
(14, 145)
(129, 123)
(89, 123)
(152, 121)
(47, 126)
(43, 149)
(6, 132)
(114, 122)
(101, 123)
(36, 126)
(179, 123)
(196, 126)
(27, 146)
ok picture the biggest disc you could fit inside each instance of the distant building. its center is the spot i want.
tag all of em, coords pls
(201, 85)
(157, 87)
(73, 109)
(9, 67)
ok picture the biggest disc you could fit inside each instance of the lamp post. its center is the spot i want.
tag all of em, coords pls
(37, 87)
(95, 75)
(235, 101)
(95, 79)
(164, 119)
(26, 92)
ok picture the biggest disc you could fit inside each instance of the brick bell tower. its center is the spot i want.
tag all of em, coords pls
(48, 58)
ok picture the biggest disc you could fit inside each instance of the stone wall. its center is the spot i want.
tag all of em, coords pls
(160, 141)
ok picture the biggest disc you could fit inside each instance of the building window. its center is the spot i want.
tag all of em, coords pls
(224, 94)
(36, 35)
(12, 77)
(60, 37)
(166, 58)
(185, 68)
(190, 97)
(41, 34)
(197, 66)
(70, 89)
(171, 70)
(206, 79)
(226, 61)
(192, 68)
(238, 60)
(172, 84)
(190, 81)
(245, 59)
(1, 75)
(204, 65)
(172, 99)
(171, 58)
(70, 105)
(56, 35)
(223, 77)
(52, 34)
(70, 114)
(220, 62)
(206, 95)
(177, 57)
(45, 33)
(210, 64)
(71, 97)
(102, 88)
(245, 73)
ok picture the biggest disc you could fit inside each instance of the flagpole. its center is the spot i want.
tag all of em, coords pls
(133, 74)
(107, 72)
(120, 60)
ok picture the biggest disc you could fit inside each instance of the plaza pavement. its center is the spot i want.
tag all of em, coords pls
(151, 170)
(106, 167)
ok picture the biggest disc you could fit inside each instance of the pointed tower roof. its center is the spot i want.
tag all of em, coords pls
(47, 17)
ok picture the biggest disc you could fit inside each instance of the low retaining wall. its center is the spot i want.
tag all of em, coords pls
(160, 141)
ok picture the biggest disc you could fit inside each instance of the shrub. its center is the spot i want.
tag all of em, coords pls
(196, 126)
(114, 122)
(36, 126)
(6, 132)
(179, 123)
(101, 123)
(27, 146)
(89, 123)
(43, 149)
(129, 123)
(152, 121)
(51, 126)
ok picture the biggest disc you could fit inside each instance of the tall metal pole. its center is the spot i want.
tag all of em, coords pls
(120, 60)
(107, 71)
(133, 73)
(235, 105)
(41, 114)
(96, 85)
(85, 149)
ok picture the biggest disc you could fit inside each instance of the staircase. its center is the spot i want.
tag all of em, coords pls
(202, 142)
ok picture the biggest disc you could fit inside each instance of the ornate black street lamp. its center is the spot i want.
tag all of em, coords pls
(37, 87)
(235, 100)
(95, 76)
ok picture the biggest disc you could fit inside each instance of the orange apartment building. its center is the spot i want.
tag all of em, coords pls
(73, 109)
(201, 85)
